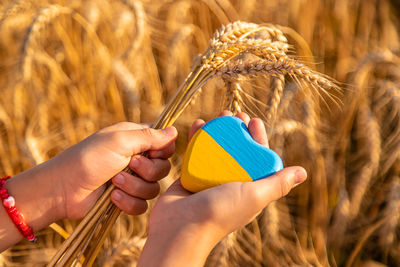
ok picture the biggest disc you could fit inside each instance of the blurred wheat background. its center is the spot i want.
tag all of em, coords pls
(69, 68)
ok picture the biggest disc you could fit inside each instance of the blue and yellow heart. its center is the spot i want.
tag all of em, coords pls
(223, 151)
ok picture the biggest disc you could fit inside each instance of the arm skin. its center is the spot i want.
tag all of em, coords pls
(184, 227)
(36, 198)
(68, 185)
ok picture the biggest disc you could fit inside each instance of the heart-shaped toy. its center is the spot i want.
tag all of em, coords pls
(223, 151)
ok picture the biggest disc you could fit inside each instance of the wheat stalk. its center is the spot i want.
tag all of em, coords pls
(240, 48)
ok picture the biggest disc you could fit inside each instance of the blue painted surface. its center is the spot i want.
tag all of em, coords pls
(232, 135)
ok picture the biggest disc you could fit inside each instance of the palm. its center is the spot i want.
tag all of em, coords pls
(214, 204)
(181, 220)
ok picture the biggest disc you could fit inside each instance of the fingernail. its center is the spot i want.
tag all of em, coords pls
(119, 179)
(117, 196)
(301, 176)
(169, 131)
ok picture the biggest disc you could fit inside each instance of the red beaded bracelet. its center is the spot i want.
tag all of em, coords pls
(16, 216)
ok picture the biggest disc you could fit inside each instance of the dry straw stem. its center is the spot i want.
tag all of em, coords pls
(242, 49)
(236, 40)
(264, 47)
(367, 154)
(73, 90)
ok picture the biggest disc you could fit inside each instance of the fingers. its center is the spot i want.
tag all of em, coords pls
(138, 141)
(241, 115)
(257, 131)
(197, 124)
(276, 186)
(126, 126)
(135, 186)
(256, 127)
(244, 117)
(132, 193)
(127, 203)
(163, 153)
(225, 113)
(150, 170)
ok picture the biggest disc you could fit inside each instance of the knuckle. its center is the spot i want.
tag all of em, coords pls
(138, 206)
(149, 132)
(107, 129)
(103, 130)
(155, 190)
(121, 125)
(159, 170)
(150, 173)
(285, 187)
(116, 138)
(134, 187)
(115, 127)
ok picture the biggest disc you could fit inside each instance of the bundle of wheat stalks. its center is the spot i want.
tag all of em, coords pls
(69, 68)
(236, 51)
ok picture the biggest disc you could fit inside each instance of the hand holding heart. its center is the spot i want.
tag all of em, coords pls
(223, 151)
(181, 220)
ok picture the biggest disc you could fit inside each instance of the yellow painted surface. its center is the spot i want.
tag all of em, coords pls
(207, 164)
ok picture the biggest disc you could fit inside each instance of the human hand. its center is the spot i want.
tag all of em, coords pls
(68, 185)
(84, 168)
(181, 220)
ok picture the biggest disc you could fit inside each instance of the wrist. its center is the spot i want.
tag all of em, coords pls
(187, 245)
(38, 196)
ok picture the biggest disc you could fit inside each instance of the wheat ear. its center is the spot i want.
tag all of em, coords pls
(265, 48)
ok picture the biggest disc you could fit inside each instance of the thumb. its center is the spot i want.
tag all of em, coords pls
(278, 185)
(151, 139)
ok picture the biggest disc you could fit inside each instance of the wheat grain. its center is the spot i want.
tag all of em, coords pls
(233, 99)
(83, 98)
(277, 85)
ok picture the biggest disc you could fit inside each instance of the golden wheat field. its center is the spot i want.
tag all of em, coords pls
(323, 75)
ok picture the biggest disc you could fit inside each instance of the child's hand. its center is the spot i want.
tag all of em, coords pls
(85, 167)
(68, 185)
(194, 223)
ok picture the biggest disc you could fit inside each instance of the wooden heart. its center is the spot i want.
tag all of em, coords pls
(223, 151)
